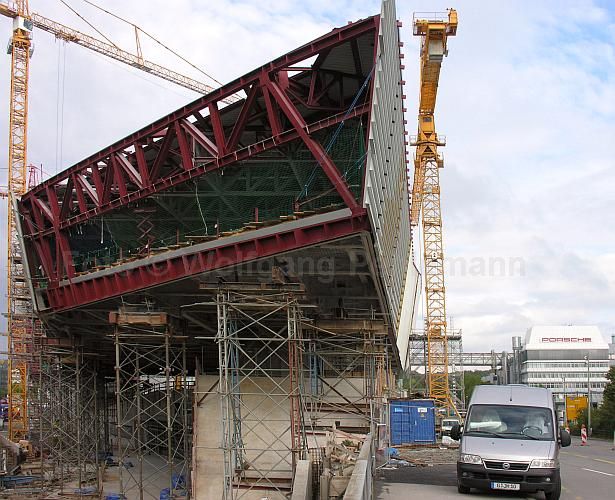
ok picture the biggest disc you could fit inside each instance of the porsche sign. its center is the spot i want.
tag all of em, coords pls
(575, 340)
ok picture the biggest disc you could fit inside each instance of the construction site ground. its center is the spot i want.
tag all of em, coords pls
(427, 456)
(587, 473)
(429, 482)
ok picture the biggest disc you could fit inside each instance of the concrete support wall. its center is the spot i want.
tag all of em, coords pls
(302, 486)
(208, 479)
(361, 485)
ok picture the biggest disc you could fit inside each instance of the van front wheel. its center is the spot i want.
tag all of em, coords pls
(556, 492)
(464, 490)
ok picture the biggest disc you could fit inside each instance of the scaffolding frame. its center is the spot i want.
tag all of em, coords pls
(66, 420)
(338, 357)
(417, 361)
(259, 341)
(285, 379)
(153, 405)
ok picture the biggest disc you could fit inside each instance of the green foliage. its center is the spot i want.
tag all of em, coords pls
(413, 382)
(603, 418)
(470, 380)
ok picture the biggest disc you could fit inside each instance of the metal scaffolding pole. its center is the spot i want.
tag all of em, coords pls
(153, 401)
(66, 420)
(349, 373)
(261, 389)
(457, 371)
(417, 360)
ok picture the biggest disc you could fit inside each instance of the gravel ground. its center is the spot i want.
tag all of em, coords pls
(429, 456)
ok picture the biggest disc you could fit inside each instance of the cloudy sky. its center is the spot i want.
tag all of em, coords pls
(526, 100)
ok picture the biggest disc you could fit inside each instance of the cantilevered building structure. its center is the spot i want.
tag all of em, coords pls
(228, 282)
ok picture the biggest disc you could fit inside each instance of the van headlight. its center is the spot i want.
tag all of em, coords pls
(541, 463)
(470, 459)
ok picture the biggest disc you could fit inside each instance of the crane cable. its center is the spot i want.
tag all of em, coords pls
(336, 133)
(88, 23)
(153, 38)
(60, 104)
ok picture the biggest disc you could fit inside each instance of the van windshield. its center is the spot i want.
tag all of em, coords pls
(513, 422)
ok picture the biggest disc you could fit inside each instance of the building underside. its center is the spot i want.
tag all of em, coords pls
(250, 254)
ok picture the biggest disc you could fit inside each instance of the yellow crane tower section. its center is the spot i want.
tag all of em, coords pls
(19, 307)
(434, 32)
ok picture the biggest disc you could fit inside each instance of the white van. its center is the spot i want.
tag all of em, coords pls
(447, 426)
(510, 441)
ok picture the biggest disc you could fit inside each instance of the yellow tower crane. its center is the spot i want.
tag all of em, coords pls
(19, 308)
(23, 329)
(434, 32)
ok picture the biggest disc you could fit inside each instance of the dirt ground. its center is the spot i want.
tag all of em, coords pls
(428, 456)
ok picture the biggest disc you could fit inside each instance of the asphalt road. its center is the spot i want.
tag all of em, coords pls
(588, 473)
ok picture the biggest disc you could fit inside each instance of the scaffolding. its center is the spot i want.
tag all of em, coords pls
(66, 441)
(286, 379)
(152, 441)
(260, 379)
(456, 377)
(349, 372)
(417, 361)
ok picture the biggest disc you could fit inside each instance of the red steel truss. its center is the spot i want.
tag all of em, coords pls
(175, 267)
(164, 155)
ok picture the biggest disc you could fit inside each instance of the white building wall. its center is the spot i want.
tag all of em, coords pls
(562, 366)
(386, 180)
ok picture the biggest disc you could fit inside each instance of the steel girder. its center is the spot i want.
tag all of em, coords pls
(193, 141)
(147, 273)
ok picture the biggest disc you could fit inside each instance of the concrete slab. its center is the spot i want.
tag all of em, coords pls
(265, 431)
(208, 462)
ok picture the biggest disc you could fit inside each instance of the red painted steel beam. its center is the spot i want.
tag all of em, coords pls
(336, 37)
(127, 171)
(228, 253)
(242, 120)
(198, 170)
(114, 158)
(320, 155)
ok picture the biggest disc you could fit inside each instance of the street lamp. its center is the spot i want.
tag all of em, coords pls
(589, 399)
(565, 403)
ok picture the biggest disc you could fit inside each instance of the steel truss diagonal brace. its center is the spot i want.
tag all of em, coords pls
(315, 148)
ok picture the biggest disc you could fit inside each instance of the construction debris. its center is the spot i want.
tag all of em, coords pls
(341, 454)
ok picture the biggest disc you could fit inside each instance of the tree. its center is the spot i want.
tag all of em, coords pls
(413, 382)
(470, 380)
(605, 415)
(609, 390)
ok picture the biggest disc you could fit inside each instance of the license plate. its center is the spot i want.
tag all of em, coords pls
(505, 486)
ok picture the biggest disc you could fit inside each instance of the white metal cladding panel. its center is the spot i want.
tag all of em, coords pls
(386, 193)
(409, 311)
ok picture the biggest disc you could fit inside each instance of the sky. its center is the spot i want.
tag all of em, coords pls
(526, 101)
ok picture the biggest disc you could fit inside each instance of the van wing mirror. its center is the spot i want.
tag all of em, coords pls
(564, 437)
(456, 432)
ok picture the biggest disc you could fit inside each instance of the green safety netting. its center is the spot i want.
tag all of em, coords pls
(275, 184)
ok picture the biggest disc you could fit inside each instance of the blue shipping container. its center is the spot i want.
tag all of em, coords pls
(413, 421)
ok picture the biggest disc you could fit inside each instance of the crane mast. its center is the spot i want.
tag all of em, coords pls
(19, 308)
(426, 201)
